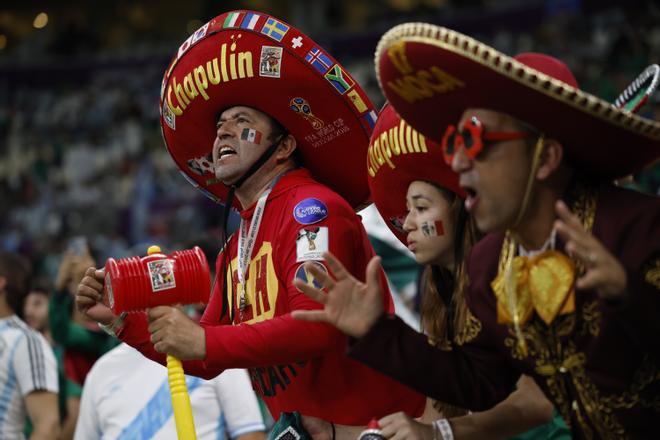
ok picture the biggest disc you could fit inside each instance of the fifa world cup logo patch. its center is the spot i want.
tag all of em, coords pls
(302, 107)
(311, 242)
(310, 234)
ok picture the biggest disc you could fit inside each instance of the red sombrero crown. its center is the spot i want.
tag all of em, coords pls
(431, 74)
(252, 59)
(399, 155)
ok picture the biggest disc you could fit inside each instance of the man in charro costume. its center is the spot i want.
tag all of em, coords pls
(273, 135)
(566, 284)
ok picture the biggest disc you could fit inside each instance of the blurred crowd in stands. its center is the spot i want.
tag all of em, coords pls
(85, 157)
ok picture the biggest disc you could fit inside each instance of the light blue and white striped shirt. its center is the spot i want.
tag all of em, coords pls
(27, 364)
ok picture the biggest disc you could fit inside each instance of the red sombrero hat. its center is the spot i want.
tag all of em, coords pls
(399, 155)
(252, 59)
(431, 74)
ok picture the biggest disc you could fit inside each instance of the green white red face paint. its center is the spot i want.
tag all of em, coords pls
(432, 228)
(251, 135)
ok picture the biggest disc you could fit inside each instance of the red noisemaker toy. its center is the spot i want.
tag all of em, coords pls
(134, 284)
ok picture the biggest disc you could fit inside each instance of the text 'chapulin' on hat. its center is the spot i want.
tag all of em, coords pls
(251, 59)
(431, 74)
(399, 155)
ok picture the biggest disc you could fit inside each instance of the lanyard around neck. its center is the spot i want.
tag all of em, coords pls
(248, 237)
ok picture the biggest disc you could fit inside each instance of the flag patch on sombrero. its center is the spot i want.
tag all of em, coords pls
(296, 42)
(194, 38)
(232, 20)
(339, 79)
(250, 21)
(319, 60)
(275, 29)
(200, 33)
(357, 101)
(371, 118)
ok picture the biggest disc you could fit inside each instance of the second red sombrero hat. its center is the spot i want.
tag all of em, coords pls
(399, 155)
(431, 74)
(252, 59)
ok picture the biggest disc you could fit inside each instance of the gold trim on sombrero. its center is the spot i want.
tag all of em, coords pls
(487, 56)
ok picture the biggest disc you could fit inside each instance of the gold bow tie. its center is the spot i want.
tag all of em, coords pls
(543, 283)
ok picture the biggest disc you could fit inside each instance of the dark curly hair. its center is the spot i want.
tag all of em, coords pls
(17, 272)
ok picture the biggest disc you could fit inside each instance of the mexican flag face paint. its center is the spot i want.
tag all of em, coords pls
(432, 229)
(251, 135)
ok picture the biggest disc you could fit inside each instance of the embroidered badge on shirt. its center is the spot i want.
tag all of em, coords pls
(311, 243)
(310, 211)
(307, 277)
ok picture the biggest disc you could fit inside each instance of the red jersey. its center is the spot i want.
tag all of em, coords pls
(294, 365)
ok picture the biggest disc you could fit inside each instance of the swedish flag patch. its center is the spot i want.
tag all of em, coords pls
(274, 29)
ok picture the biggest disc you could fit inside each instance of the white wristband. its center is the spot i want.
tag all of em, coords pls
(443, 429)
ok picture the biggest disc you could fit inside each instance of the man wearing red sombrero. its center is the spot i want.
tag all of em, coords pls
(419, 197)
(254, 109)
(566, 283)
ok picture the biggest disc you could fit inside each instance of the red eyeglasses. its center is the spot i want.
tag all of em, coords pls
(472, 138)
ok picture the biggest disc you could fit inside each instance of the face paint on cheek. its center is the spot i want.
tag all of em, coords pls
(433, 229)
(251, 135)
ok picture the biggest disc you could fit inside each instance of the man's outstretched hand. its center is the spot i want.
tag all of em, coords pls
(350, 305)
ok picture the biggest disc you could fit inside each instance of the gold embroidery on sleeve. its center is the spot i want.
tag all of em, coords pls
(652, 275)
(466, 332)
(470, 330)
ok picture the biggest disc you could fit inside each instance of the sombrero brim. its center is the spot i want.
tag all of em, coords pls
(252, 59)
(431, 74)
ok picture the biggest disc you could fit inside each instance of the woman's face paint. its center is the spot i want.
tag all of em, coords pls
(428, 224)
(432, 228)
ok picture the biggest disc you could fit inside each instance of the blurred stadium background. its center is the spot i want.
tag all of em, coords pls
(80, 145)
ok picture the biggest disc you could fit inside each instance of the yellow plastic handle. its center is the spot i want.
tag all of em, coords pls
(183, 419)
